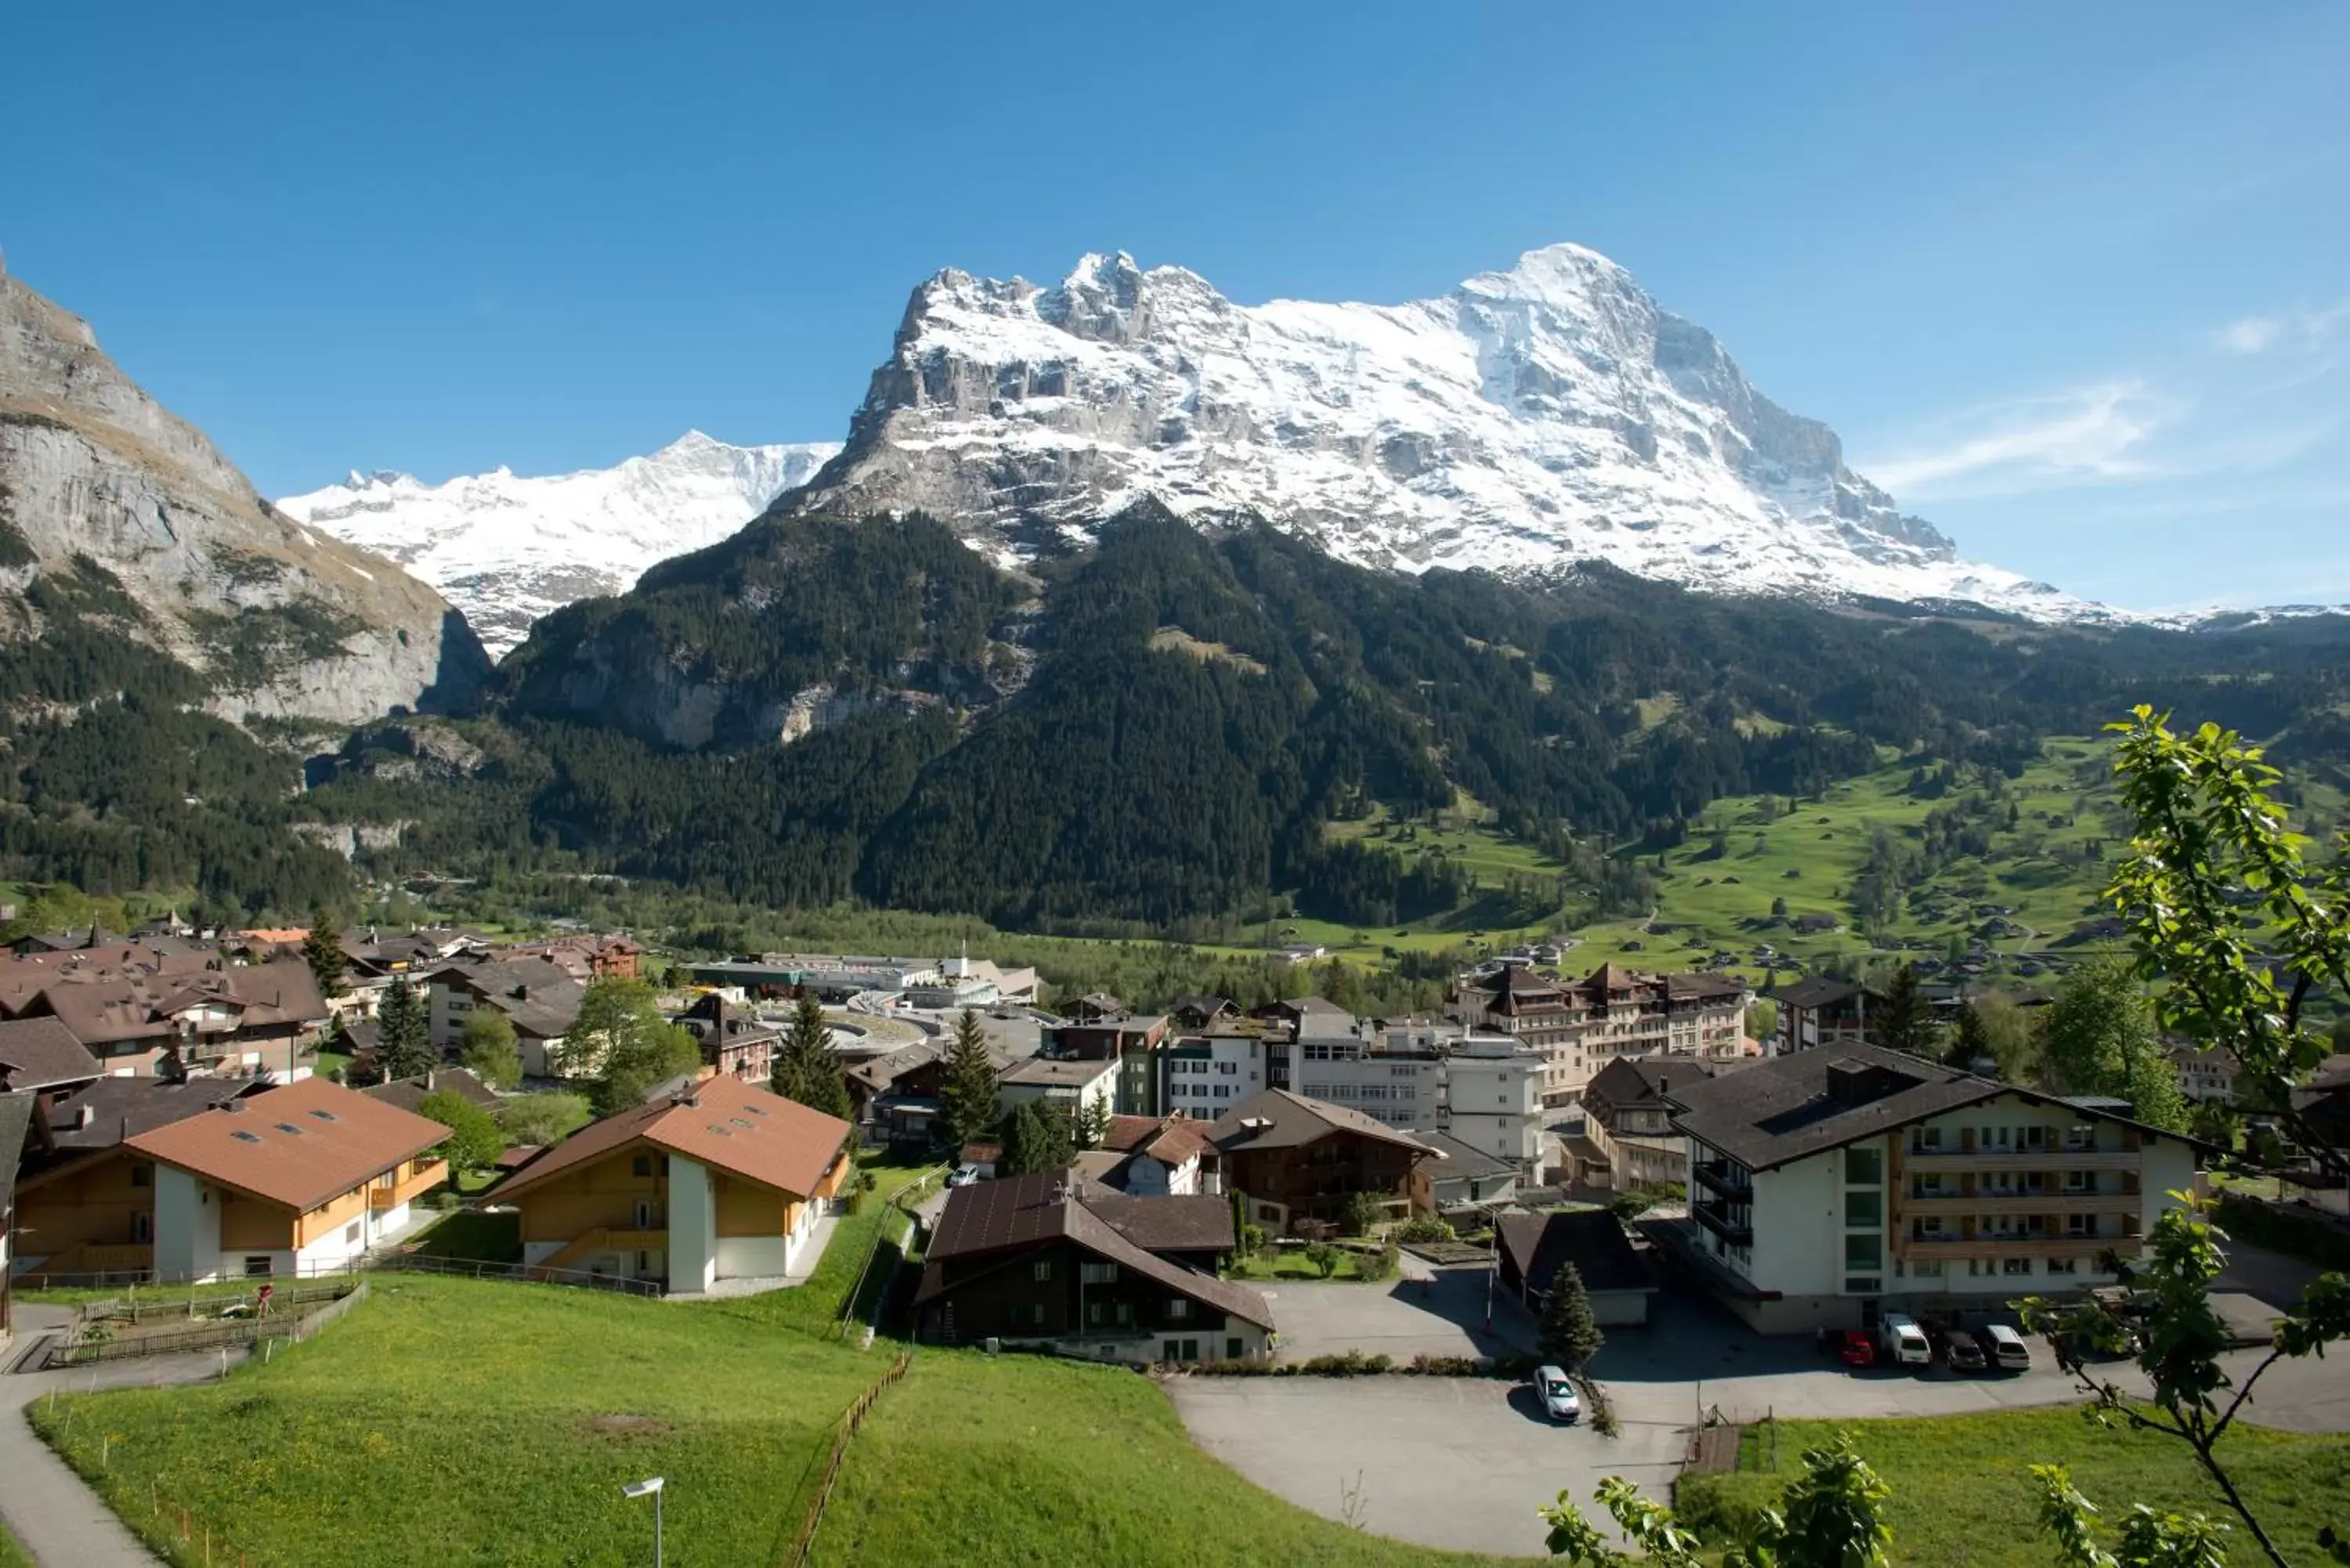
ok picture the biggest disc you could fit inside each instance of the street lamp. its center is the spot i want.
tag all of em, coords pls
(651, 1489)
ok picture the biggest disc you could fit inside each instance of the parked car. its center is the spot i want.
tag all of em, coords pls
(1962, 1352)
(1905, 1343)
(962, 1176)
(1556, 1389)
(2008, 1351)
(1855, 1348)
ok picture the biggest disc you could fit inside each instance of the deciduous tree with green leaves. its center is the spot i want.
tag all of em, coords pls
(474, 1141)
(1833, 1516)
(2098, 1038)
(488, 1049)
(623, 1046)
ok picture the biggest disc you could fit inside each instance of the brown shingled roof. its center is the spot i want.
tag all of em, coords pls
(1294, 1120)
(730, 1124)
(41, 1053)
(300, 1145)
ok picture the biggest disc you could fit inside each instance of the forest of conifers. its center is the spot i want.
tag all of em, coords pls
(1152, 732)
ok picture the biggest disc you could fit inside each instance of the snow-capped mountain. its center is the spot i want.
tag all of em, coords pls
(507, 548)
(1526, 421)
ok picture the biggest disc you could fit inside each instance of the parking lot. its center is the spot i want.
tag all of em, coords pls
(1465, 1462)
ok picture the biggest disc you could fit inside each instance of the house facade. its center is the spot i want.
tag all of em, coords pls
(1043, 1261)
(536, 995)
(721, 1181)
(1207, 1073)
(293, 1180)
(1628, 1118)
(1069, 1086)
(1821, 1012)
(1833, 1184)
(1292, 1157)
(1579, 1026)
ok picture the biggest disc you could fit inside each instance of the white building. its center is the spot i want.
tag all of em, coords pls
(1207, 1074)
(1832, 1183)
(1067, 1087)
(1492, 1098)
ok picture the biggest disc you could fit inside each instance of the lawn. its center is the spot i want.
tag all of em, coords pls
(475, 1236)
(1020, 1462)
(1290, 1265)
(815, 1305)
(13, 1553)
(1974, 1470)
(460, 1421)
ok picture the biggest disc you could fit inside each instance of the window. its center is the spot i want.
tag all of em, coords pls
(642, 1165)
(2080, 1226)
(1927, 1269)
(1042, 1271)
(1096, 1274)
(1228, 1068)
(142, 1174)
(1864, 1251)
(2011, 1267)
(142, 1227)
(1925, 1140)
(2079, 1181)
(1863, 1167)
(1863, 1207)
(1190, 1350)
(2064, 1265)
(1864, 1284)
(1036, 1314)
(1231, 1350)
(1179, 1310)
(352, 1234)
(256, 1266)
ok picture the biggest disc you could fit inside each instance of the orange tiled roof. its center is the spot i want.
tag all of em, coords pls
(300, 1145)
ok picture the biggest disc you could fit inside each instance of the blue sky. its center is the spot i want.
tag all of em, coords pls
(2072, 280)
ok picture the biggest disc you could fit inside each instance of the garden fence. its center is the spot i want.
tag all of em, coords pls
(850, 1420)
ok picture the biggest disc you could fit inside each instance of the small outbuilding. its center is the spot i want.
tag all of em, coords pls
(1615, 1277)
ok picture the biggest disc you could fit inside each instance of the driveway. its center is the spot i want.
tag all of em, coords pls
(1462, 1462)
(1442, 1311)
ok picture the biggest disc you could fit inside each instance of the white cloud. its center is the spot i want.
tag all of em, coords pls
(2088, 435)
(2252, 334)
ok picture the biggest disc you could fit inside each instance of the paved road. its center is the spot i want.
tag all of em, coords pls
(1402, 1318)
(1462, 1462)
(60, 1520)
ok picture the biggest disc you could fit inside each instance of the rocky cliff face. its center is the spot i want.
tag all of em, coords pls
(1526, 421)
(99, 481)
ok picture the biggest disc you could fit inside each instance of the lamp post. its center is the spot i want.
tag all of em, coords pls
(652, 1488)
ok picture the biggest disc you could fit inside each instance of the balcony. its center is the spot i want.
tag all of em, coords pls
(2043, 1246)
(2023, 1159)
(408, 1188)
(1715, 1217)
(1952, 1206)
(1718, 1176)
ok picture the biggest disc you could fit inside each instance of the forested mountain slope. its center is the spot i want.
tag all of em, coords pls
(1160, 729)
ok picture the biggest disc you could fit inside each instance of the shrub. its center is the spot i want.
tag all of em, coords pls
(1324, 1257)
(1364, 1213)
(1425, 1228)
(1380, 1265)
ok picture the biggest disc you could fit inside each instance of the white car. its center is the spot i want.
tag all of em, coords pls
(1557, 1393)
(962, 1176)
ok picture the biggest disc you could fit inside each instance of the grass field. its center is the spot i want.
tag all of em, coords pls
(1963, 1495)
(12, 1554)
(458, 1421)
(1019, 1462)
(1290, 1265)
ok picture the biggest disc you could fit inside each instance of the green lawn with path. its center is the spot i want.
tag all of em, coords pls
(1963, 1496)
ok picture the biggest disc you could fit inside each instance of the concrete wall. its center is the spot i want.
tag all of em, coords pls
(1627, 1307)
(751, 1258)
(693, 1226)
(187, 1226)
(1799, 1227)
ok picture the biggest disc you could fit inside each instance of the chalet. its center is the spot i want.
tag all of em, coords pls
(1579, 1026)
(275, 1180)
(734, 1043)
(1292, 1157)
(1202, 1012)
(1044, 1261)
(2205, 1076)
(718, 1181)
(1533, 1247)
(410, 1094)
(536, 996)
(42, 1053)
(1628, 1120)
(1832, 1183)
(1156, 1156)
(175, 1021)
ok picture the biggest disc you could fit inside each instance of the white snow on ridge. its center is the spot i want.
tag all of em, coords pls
(1529, 418)
(507, 549)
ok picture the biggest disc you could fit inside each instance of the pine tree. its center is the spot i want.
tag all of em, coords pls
(1570, 1334)
(323, 951)
(807, 1068)
(1899, 1021)
(1970, 1041)
(967, 1099)
(1093, 1123)
(404, 1043)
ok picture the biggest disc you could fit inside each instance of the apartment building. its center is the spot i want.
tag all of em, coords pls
(1832, 1184)
(1207, 1073)
(1579, 1026)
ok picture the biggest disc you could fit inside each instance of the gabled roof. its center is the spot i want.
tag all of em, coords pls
(1463, 1162)
(1820, 990)
(1170, 1140)
(410, 1093)
(15, 1116)
(1785, 1108)
(299, 1146)
(1291, 1121)
(1637, 1080)
(1184, 1223)
(41, 1053)
(539, 997)
(1025, 1211)
(725, 1123)
(116, 1108)
(1593, 1239)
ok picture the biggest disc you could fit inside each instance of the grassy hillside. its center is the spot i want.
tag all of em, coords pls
(1975, 1470)
(455, 1421)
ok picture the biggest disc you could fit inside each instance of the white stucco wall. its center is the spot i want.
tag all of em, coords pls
(1799, 1227)
(751, 1257)
(187, 1226)
(693, 1226)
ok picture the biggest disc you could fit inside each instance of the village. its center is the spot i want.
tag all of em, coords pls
(1807, 1222)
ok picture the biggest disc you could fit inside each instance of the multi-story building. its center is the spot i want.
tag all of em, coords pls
(1579, 1026)
(2206, 1075)
(1207, 1073)
(1292, 1157)
(1627, 1119)
(1491, 1089)
(1830, 1184)
(1139, 1046)
(1819, 1012)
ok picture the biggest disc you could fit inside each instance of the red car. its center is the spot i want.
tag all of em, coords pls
(1855, 1348)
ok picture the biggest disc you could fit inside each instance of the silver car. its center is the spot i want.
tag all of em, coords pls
(1557, 1392)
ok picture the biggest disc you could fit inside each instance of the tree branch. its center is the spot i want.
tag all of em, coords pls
(2244, 1391)
(2236, 1501)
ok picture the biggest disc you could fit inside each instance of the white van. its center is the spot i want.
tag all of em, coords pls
(1905, 1343)
(2008, 1351)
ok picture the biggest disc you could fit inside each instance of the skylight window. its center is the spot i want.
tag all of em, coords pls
(244, 1137)
(323, 1116)
(741, 1121)
(720, 1131)
(289, 1127)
